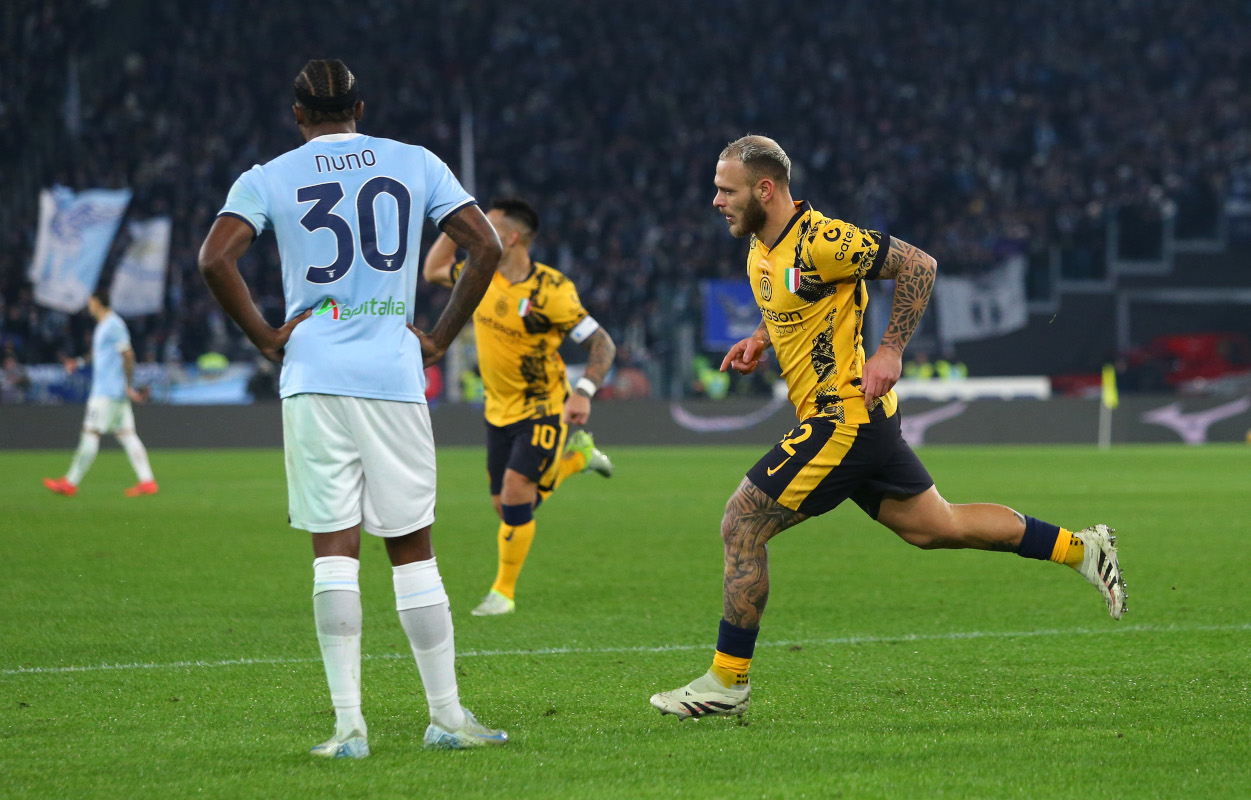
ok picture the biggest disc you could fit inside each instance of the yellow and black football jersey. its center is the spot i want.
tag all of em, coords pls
(810, 286)
(519, 328)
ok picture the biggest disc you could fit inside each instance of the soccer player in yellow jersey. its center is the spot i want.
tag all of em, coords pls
(808, 273)
(528, 310)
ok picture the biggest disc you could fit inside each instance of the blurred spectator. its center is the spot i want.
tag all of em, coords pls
(263, 385)
(14, 381)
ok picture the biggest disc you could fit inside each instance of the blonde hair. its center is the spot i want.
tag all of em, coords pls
(762, 156)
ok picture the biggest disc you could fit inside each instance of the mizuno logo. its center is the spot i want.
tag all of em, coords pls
(772, 470)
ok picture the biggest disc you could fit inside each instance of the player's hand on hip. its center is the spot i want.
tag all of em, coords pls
(431, 353)
(744, 356)
(278, 340)
(577, 410)
(881, 373)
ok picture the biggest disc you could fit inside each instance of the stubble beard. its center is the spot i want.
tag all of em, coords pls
(752, 221)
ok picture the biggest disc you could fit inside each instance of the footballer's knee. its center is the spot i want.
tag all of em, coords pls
(517, 489)
(729, 525)
(926, 540)
(733, 527)
(932, 527)
(932, 532)
(499, 505)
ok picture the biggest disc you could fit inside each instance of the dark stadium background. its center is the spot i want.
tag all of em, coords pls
(1107, 143)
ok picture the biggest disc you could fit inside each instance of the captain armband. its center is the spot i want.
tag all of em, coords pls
(583, 329)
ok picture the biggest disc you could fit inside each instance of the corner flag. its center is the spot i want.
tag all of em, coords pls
(1110, 398)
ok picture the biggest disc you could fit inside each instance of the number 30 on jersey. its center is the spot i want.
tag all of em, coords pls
(326, 196)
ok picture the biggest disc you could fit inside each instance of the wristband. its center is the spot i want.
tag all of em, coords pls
(586, 386)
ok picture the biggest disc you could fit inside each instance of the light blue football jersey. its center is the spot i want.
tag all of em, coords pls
(347, 210)
(109, 340)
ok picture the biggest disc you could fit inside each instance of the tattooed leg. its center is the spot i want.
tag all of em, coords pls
(751, 519)
(928, 521)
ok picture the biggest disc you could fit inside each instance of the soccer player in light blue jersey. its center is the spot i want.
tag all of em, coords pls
(108, 405)
(347, 211)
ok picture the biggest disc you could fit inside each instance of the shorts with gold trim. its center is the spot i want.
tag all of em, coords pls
(821, 463)
(530, 446)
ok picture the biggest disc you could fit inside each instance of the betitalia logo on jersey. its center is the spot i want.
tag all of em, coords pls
(372, 307)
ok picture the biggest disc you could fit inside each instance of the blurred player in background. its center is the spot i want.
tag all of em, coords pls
(527, 311)
(808, 273)
(347, 211)
(108, 405)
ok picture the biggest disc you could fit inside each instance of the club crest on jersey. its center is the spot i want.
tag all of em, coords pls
(523, 307)
(792, 280)
(766, 288)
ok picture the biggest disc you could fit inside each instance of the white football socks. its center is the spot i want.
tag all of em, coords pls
(427, 620)
(337, 610)
(137, 454)
(88, 446)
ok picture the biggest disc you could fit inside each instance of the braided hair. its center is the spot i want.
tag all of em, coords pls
(326, 89)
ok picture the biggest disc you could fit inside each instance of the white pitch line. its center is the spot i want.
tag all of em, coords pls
(557, 651)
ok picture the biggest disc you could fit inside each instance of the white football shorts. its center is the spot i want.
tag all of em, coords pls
(107, 415)
(358, 460)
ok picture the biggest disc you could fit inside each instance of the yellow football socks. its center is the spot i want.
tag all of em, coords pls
(570, 464)
(1069, 550)
(730, 670)
(514, 542)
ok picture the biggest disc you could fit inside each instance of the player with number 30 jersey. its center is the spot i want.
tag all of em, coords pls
(347, 211)
(349, 247)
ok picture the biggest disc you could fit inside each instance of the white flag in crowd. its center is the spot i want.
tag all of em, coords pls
(991, 304)
(139, 283)
(75, 232)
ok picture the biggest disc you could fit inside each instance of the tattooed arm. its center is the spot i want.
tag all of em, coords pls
(746, 354)
(603, 351)
(470, 229)
(913, 271)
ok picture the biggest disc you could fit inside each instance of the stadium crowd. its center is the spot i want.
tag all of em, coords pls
(964, 127)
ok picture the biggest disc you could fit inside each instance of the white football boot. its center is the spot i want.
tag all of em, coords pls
(704, 697)
(351, 745)
(494, 605)
(1101, 568)
(471, 733)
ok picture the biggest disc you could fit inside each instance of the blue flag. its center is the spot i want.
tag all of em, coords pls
(730, 312)
(75, 233)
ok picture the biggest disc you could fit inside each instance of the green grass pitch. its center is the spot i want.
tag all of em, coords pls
(164, 646)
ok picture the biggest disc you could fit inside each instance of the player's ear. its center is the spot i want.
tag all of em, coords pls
(765, 190)
(359, 110)
(298, 113)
